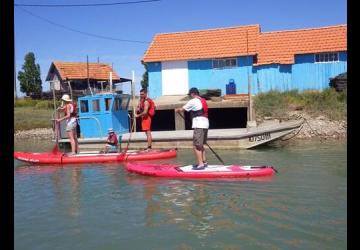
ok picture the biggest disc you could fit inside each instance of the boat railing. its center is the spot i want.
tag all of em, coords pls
(97, 121)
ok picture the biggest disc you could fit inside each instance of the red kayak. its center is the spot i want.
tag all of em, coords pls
(63, 158)
(211, 171)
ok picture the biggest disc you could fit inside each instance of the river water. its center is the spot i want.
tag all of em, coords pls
(101, 206)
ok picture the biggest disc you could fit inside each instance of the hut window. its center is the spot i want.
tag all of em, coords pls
(84, 106)
(96, 105)
(117, 104)
(107, 103)
(224, 63)
(326, 57)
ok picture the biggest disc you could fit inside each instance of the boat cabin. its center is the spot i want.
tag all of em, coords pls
(97, 113)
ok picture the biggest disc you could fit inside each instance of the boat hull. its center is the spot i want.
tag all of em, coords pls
(62, 158)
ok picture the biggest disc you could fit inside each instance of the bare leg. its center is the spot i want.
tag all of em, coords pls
(203, 155)
(199, 157)
(149, 138)
(76, 141)
(72, 142)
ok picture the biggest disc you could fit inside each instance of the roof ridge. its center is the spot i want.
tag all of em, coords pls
(297, 30)
(211, 29)
(93, 63)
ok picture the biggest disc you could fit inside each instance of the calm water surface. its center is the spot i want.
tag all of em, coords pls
(95, 206)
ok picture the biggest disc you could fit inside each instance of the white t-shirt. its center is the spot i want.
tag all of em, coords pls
(199, 121)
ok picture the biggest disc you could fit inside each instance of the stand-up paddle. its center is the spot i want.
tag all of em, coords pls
(55, 149)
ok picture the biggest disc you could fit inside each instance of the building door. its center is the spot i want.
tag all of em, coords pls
(175, 79)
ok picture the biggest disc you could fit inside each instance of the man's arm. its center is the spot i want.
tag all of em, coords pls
(178, 110)
(67, 115)
(146, 108)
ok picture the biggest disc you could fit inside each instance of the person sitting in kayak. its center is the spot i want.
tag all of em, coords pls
(69, 108)
(198, 109)
(111, 142)
(146, 110)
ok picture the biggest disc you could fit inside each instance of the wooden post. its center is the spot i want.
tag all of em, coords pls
(55, 111)
(251, 122)
(71, 95)
(111, 81)
(133, 99)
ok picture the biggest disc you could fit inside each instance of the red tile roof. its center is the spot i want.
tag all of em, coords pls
(280, 47)
(78, 71)
(271, 47)
(203, 44)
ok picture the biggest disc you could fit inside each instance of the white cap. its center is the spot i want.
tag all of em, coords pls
(66, 98)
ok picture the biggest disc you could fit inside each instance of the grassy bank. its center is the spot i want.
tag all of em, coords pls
(30, 114)
(277, 104)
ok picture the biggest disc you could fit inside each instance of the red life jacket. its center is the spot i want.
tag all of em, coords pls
(73, 109)
(113, 136)
(74, 112)
(202, 112)
(151, 109)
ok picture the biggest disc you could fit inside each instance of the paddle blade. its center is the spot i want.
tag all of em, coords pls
(55, 149)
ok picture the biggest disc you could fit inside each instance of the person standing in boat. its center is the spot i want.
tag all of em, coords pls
(198, 109)
(70, 111)
(146, 111)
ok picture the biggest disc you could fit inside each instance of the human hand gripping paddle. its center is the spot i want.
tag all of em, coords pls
(217, 156)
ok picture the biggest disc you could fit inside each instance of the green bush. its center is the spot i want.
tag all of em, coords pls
(38, 104)
(24, 103)
(44, 105)
(272, 103)
(328, 102)
(30, 118)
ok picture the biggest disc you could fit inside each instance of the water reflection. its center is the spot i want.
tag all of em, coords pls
(101, 206)
(66, 185)
(197, 207)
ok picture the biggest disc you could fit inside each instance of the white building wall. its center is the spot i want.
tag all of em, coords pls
(175, 78)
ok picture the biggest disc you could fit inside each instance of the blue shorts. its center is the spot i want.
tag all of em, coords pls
(112, 148)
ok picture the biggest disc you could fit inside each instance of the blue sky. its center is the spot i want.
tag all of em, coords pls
(140, 22)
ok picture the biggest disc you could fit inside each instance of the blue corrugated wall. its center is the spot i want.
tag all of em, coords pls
(203, 76)
(271, 77)
(154, 78)
(303, 75)
(309, 75)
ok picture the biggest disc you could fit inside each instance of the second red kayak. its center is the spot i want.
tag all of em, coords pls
(63, 158)
(212, 171)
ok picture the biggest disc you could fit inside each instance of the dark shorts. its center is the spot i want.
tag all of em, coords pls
(200, 138)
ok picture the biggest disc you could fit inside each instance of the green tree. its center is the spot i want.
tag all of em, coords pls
(29, 77)
(145, 78)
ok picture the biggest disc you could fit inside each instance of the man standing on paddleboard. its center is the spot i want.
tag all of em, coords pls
(146, 110)
(198, 109)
